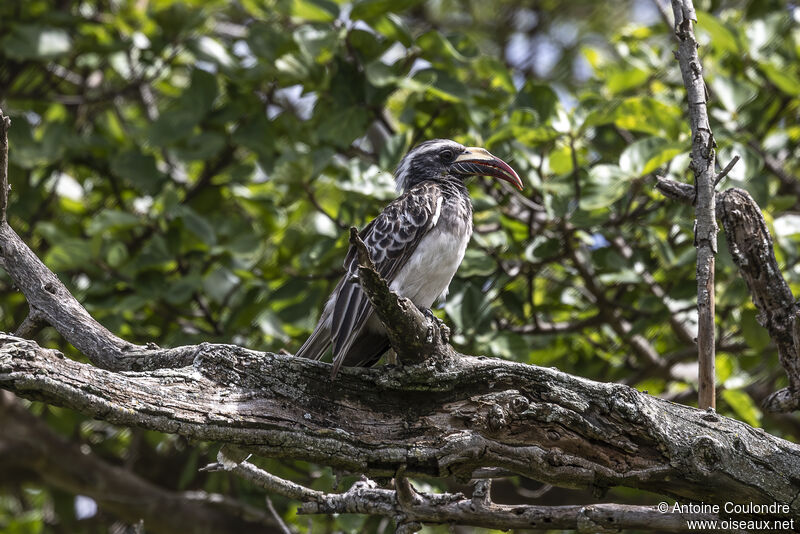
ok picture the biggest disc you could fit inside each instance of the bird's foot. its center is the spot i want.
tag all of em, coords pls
(444, 330)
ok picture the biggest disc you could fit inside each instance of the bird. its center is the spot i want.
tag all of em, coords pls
(416, 244)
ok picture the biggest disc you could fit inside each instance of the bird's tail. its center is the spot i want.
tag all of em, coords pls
(317, 343)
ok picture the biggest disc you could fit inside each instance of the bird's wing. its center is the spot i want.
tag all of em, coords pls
(390, 238)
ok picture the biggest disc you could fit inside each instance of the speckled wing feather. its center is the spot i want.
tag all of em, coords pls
(391, 238)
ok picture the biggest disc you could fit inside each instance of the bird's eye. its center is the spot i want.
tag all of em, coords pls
(446, 155)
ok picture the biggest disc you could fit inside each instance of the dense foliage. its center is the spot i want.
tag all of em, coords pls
(190, 168)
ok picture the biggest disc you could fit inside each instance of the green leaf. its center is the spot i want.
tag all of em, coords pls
(438, 46)
(646, 155)
(117, 254)
(203, 146)
(371, 9)
(316, 44)
(743, 406)
(179, 120)
(606, 185)
(560, 159)
(219, 283)
(67, 254)
(733, 93)
(784, 79)
(619, 81)
(394, 28)
(476, 263)
(139, 170)
(181, 290)
(315, 10)
(342, 127)
(755, 335)
(34, 42)
(110, 220)
(198, 225)
(211, 49)
(724, 367)
(537, 97)
(640, 114)
(721, 36)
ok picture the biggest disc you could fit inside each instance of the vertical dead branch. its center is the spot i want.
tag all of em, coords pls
(702, 164)
(5, 123)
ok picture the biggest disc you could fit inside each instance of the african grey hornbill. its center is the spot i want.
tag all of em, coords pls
(417, 243)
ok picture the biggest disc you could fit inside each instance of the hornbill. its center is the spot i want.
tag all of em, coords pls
(416, 243)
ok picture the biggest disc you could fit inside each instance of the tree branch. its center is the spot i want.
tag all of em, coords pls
(675, 190)
(702, 164)
(64, 465)
(477, 412)
(5, 124)
(31, 325)
(406, 505)
(750, 245)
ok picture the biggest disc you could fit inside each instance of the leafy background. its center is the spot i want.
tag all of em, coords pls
(189, 169)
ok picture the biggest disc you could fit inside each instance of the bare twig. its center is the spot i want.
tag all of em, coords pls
(675, 190)
(726, 170)
(5, 124)
(31, 325)
(702, 164)
(545, 327)
(275, 515)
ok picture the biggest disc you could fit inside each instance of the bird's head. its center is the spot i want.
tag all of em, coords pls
(441, 158)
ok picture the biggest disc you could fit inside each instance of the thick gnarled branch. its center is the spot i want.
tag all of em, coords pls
(751, 248)
(477, 412)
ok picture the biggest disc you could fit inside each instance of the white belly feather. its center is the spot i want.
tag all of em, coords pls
(427, 274)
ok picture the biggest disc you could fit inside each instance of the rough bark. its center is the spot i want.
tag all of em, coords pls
(441, 418)
(31, 445)
(702, 164)
(751, 248)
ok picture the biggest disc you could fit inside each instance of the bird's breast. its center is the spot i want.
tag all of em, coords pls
(429, 270)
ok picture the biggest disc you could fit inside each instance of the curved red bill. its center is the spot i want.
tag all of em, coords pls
(479, 162)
